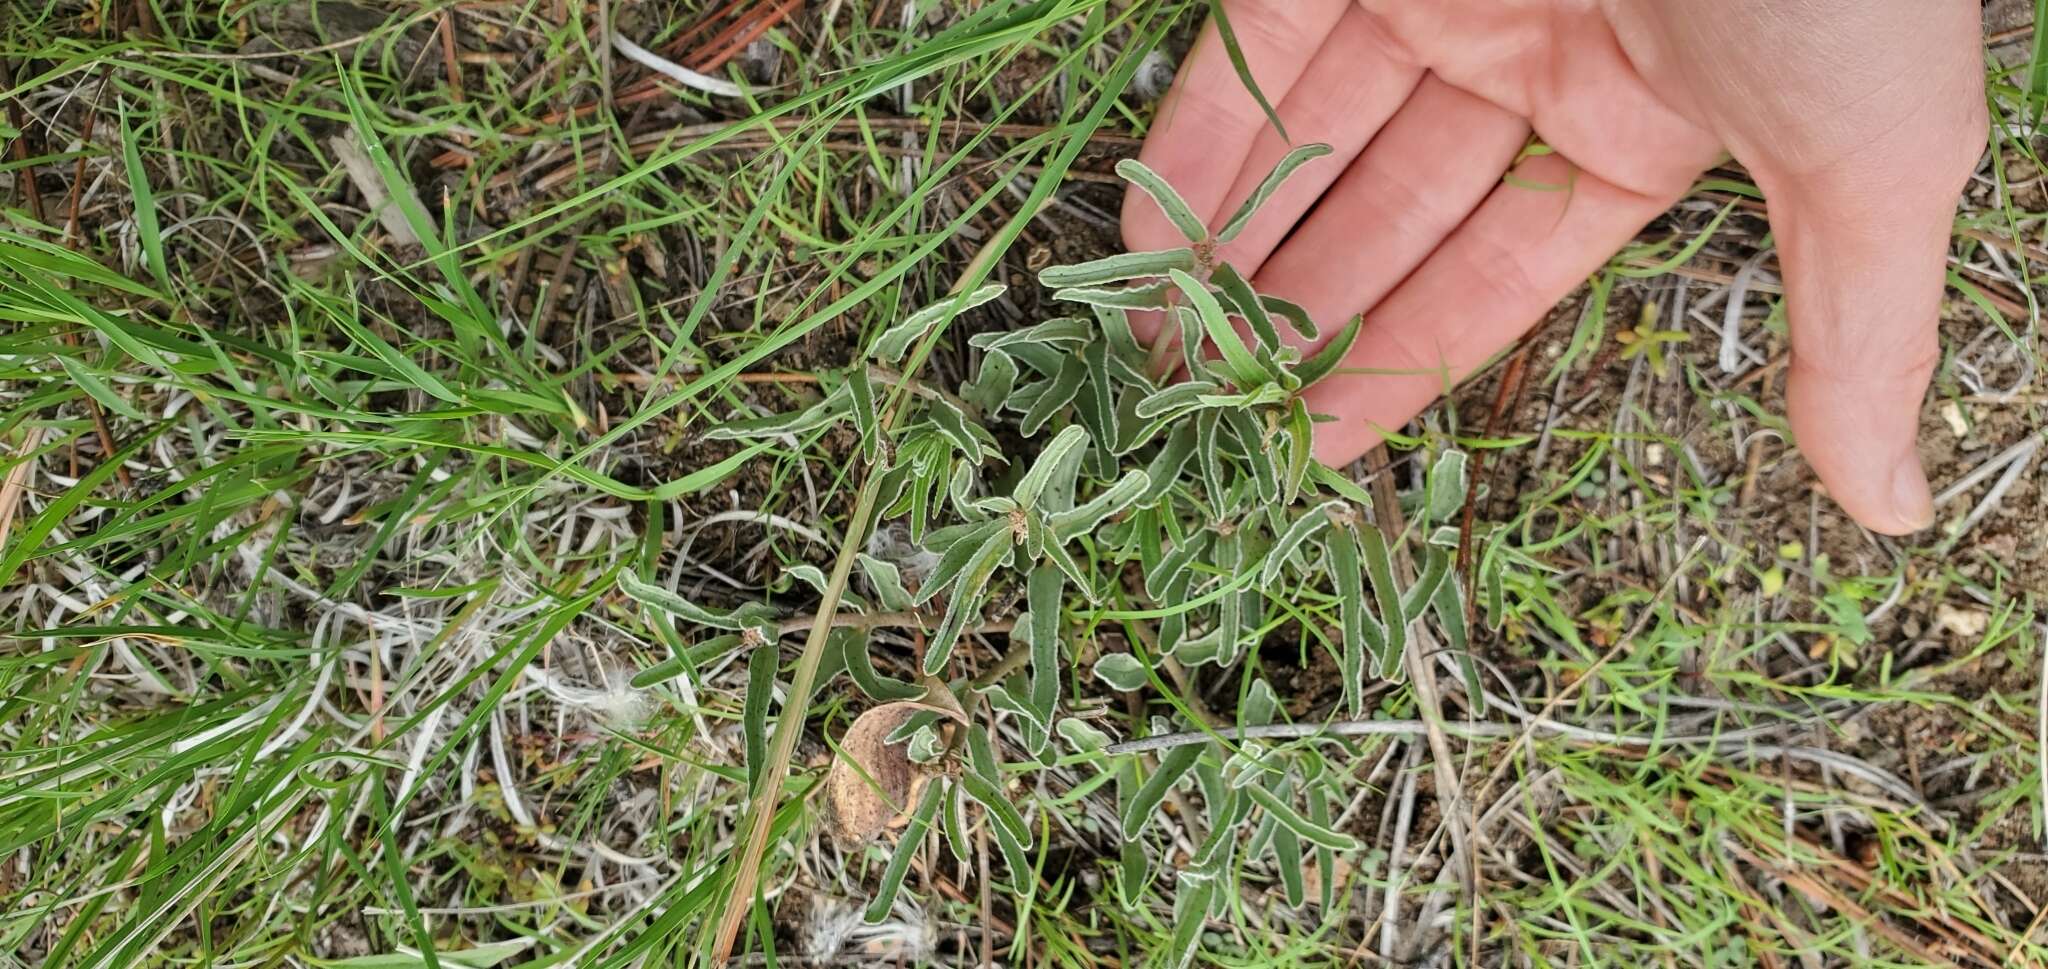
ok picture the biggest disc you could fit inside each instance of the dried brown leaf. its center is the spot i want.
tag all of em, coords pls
(873, 783)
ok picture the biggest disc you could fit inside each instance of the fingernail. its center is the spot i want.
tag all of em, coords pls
(1912, 502)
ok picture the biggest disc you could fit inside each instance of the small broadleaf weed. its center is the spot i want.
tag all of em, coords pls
(1187, 508)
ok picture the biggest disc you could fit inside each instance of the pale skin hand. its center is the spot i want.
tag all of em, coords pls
(1860, 121)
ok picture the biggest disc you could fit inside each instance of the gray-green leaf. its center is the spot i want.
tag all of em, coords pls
(1117, 268)
(1278, 177)
(1309, 525)
(1169, 201)
(895, 341)
(1121, 671)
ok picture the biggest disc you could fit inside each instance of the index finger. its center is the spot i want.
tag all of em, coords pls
(1209, 120)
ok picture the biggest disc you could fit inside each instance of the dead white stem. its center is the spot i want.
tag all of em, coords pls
(672, 70)
(17, 480)
(363, 174)
(1977, 474)
(1732, 348)
(2005, 482)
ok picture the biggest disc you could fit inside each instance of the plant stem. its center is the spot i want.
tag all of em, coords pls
(754, 838)
(761, 810)
(796, 703)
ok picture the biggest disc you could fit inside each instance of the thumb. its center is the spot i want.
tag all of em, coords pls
(1863, 251)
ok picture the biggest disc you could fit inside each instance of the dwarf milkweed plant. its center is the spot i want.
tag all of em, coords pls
(1174, 490)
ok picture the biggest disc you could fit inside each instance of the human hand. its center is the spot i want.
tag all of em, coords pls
(1860, 122)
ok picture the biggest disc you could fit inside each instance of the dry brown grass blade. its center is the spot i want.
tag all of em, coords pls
(16, 482)
(1821, 891)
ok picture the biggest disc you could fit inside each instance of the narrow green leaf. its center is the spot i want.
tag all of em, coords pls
(960, 487)
(1326, 859)
(1307, 526)
(885, 581)
(1065, 385)
(906, 851)
(1447, 486)
(1113, 500)
(954, 818)
(953, 423)
(1187, 393)
(1341, 546)
(1053, 332)
(648, 594)
(1173, 627)
(992, 387)
(1115, 325)
(1287, 860)
(1081, 735)
(1191, 907)
(1449, 604)
(966, 599)
(1295, 315)
(895, 341)
(1167, 465)
(147, 229)
(958, 554)
(1247, 304)
(1379, 566)
(865, 421)
(1288, 164)
(1188, 322)
(1063, 560)
(1134, 871)
(1231, 47)
(1230, 612)
(1008, 830)
(98, 389)
(1168, 200)
(1145, 296)
(412, 373)
(1243, 367)
(1415, 602)
(1209, 452)
(1496, 594)
(1300, 442)
(662, 672)
(1118, 268)
(1033, 484)
(983, 782)
(1264, 463)
(1309, 831)
(1330, 356)
(1095, 405)
(831, 407)
(1145, 801)
(1043, 601)
(34, 257)
(1121, 672)
(754, 718)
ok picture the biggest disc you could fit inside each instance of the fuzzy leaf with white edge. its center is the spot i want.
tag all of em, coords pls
(1288, 164)
(1169, 200)
(895, 341)
(1121, 671)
